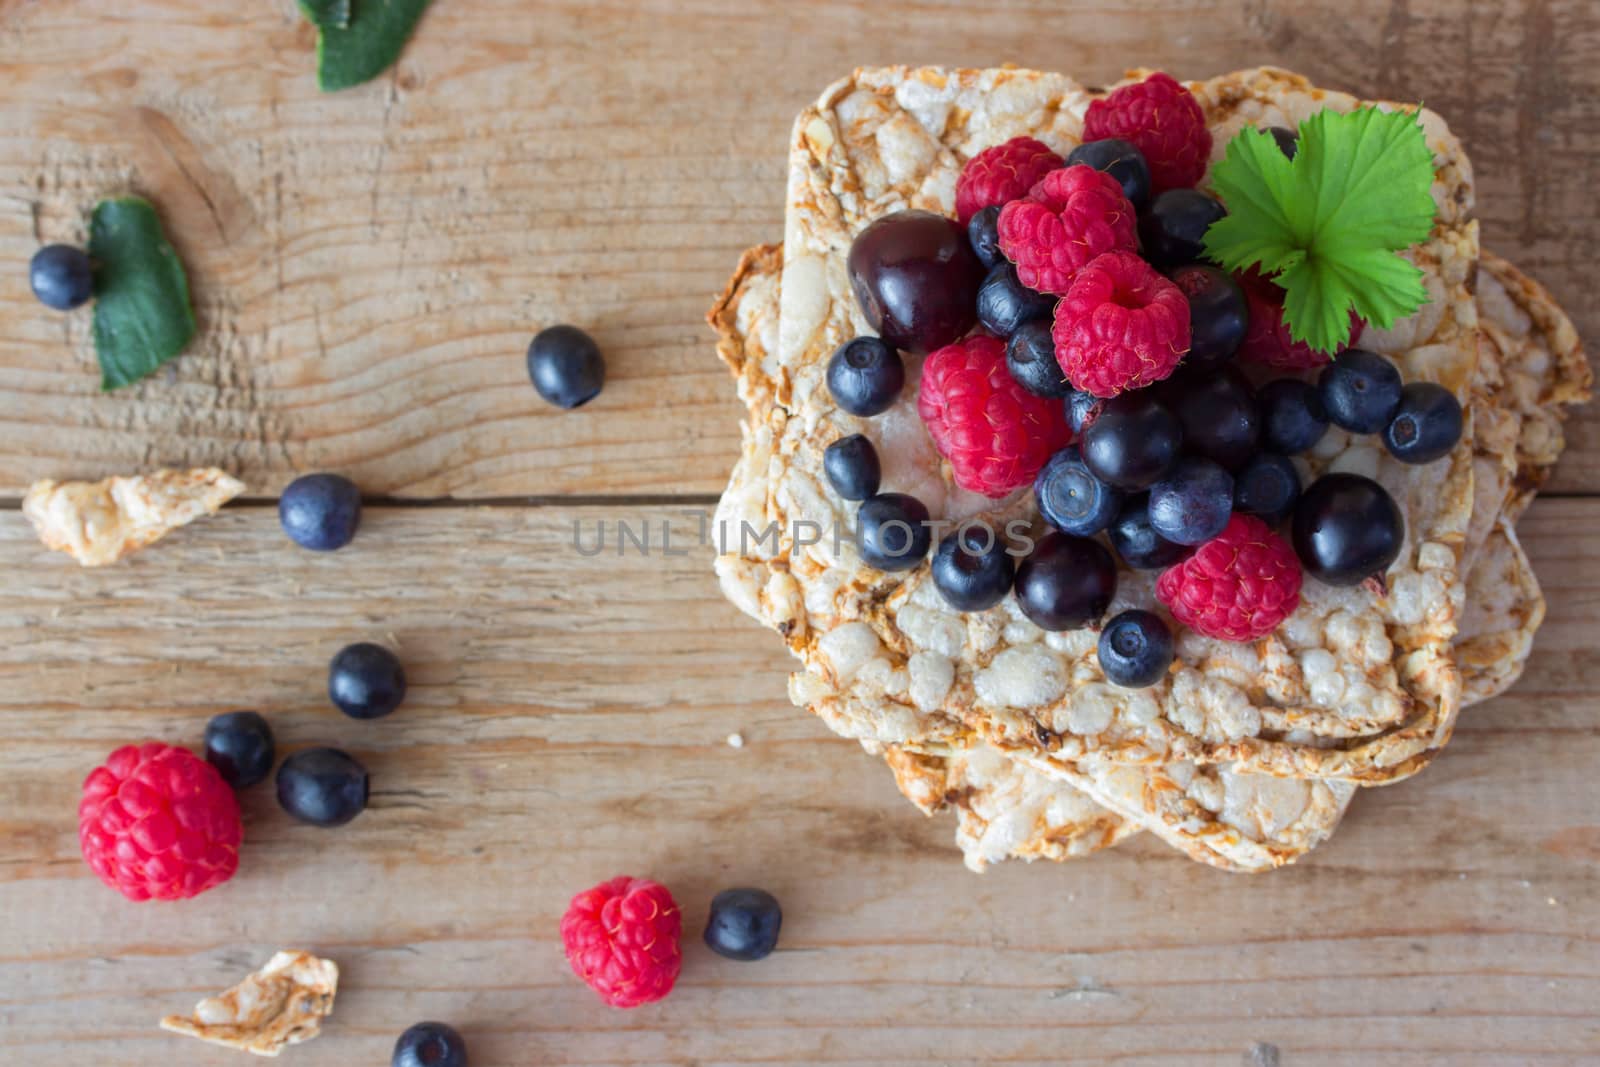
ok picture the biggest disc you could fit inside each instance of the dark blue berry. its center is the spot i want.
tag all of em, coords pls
(983, 233)
(322, 786)
(1135, 649)
(744, 924)
(1267, 487)
(1360, 390)
(972, 569)
(1427, 425)
(1292, 416)
(566, 366)
(1082, 409)
(320, 511)
(1218, 411)
(1122, 161)
(1132, 442)
(62, 277)
(1219, 315)
(366, 681)
(892, 532)
(1031, 358)
(851, 464)
(1071, 498)
(239, 745)
(429, 1045)
(1004, 303)
(1067, 582)
(1288, 140)
(1191, 505)
(1137, 542)
(1171, 230)
(1346, 529)
(916, 278)
(865, 376)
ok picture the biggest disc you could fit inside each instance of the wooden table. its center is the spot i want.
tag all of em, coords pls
(368, 269)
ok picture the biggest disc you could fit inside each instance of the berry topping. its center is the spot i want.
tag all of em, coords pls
(1192, 504)
(1163, 119)
(1134, 441)
(1071, 498)
(994, 432)
(1004, 303)
(892, 532)
(865, 376)
(1267, 340)
(1002, 173)
(1082, 409)
(1072, 216)
(983, 233)
(429, 1045)
(852, 467)
(1031, 359)
(1346, 529)
(1135, 649)
(322, 786)
(1066, 583)
(1288, 141)
(159, 823)
(1427, 425)
(1292, 417)
(1218, 410)
(566, 366)
(1218, 312)
(1122, 161)
(972, 569)
(621, 938)
(366, 681)
(320, 511)
(239, 745)
(1267, 487)
(1360, 391)
(744, 924)
(61, 276)
(916, 278)
(1172, 228)
(1120, 326)
(1236, 587)
(1137, 542)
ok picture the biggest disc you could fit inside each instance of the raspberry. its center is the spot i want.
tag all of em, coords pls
(622, 937)
(1238, 586)
(1121, 326)
(1164, 121)
(994, 432)
(1266, 339)
(159, 823)
(1071, 216)
(1002, 173)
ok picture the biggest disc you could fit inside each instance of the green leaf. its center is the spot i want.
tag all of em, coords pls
(325, 13)
(368, 45)
(142, 315)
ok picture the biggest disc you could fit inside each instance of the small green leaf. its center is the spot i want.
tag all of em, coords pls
(325, 13)
(142, 315)
(369, 43)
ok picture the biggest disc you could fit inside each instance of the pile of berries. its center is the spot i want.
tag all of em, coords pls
(1106, 374)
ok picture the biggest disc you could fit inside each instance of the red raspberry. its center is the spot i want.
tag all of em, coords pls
(159, 823)
(1002, 173)
(1266, 340)
(622, 937)
(1238, 586)
(994, 432)
(1164, 121)
(1121, 326)
(1071, 216)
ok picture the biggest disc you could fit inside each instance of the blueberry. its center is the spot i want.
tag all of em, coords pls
(322, 786)
(239, 745)
(972, 569)
(1218, 410)
(1082, 409)
(1171, 230)
(429, 1045)
(1191, 505)
(1360, 390)
(62, 277)
(566, 366)
(1427, 425)
(1122, 161)
(916, 278)
(1292, 416)
(1134, 441)
(1219, 315)
(1071, 498)
(892, 531)
(1288, 140)
(1004, 303)
(983, 233)
(1137, 542)
(1346, 529)
(1067, 582)
(1031, 358)
(366, 681)
(851, 464)
(1135, 649)
(320, 511)
(865, 375)
(744, 924)
(1267, 487)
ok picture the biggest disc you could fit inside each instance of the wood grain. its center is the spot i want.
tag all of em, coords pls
(567, 722)
(370, 266)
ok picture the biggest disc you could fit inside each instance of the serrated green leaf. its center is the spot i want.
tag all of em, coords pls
(142, 314)
(368, 45)
(325, 13)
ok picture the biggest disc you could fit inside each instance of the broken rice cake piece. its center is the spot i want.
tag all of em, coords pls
(98, 523)
(282, 1004)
